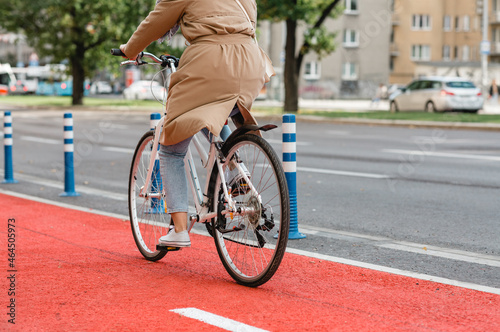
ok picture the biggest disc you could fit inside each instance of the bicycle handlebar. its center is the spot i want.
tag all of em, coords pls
(117, 52)
(164, 60)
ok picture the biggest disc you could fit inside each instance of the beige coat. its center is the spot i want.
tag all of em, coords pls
(221, 67)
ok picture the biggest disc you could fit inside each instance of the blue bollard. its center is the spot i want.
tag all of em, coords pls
(7, 144)
(69, 169)
(290, 168)
(157, 206)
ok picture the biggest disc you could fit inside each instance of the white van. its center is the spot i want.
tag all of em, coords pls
(7, 78)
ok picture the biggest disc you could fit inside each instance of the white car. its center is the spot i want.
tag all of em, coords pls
(145, 90)
(100, 87)
(437, 94)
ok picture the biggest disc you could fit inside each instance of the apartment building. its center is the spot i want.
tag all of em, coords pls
(494, 30)
(358, 65)
(439, 33)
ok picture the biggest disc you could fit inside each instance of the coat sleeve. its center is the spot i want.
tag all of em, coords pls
(165, 15)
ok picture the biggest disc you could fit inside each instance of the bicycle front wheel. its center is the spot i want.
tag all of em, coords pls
(147, 210)
(252, 244)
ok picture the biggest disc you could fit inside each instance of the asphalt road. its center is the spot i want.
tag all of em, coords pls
(418, 200)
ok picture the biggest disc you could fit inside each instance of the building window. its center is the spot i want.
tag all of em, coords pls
(349, 71)
(457, 23)
(473, 54)
(446, 52)
(351, 6)
(421, 22)
(351, 38)
(312, 70)
(495, 35)
(496, 5)
(447, 23)
(420, 52)
(465, 53)
(455, 52)
(466, 23)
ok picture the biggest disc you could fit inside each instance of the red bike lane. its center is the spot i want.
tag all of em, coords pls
(79, 271)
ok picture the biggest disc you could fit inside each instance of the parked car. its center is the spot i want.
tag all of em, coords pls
(100, 87)
(18, 88)
(437, 94)
(144, 90)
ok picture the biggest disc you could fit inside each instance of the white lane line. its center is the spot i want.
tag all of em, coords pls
(418, 248)
(442, 154)
(338, 132)
(457, 255)
(277, 141)
(344, 173)
(216, 320)
(391, 270)
(415, 275)
(42, 140)
(117, 149)
(65, 205)
(60, 185)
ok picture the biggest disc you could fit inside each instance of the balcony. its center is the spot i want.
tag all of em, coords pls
(495, 49)
(395, 19)
(394, 49)
(494, 17)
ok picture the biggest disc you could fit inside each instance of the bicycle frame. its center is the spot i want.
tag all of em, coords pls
(208, 161)
(200, 197)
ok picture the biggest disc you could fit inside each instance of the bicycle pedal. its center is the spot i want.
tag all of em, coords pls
(165, 248)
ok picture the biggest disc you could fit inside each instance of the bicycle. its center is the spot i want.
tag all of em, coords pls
(249, 220)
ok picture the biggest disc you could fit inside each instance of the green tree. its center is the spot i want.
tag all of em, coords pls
(79, 31)
(311, 13)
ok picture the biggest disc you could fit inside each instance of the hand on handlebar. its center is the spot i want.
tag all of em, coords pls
(122, 47)
(164, 60)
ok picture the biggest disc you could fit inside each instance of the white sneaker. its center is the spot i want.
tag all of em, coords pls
(173, 239)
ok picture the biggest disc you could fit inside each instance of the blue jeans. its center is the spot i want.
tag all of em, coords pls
(173, 175)
(172, 170)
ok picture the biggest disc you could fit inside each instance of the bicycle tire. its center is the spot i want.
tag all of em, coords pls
(148, 219)
(253, 254)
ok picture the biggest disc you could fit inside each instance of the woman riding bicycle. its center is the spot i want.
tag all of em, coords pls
(221, 68)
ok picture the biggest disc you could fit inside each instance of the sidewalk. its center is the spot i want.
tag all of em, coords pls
(353, 105)
(331, 105)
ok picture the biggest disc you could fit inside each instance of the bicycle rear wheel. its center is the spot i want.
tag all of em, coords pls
(147, 214)
(251, 245)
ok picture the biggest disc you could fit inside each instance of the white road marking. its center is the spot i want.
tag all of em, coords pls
(80, 188)
(216, 320)
(277, 141)
(418, 248)
(391, 270)
(42, 140)
(338, 132)
(117, 149)
(410, 274)
(333, 172)
(442, 154)
(65, 205)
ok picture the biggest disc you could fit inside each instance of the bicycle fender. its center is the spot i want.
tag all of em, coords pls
(246, 128)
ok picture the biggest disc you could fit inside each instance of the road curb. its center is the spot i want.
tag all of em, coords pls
(403, 123)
